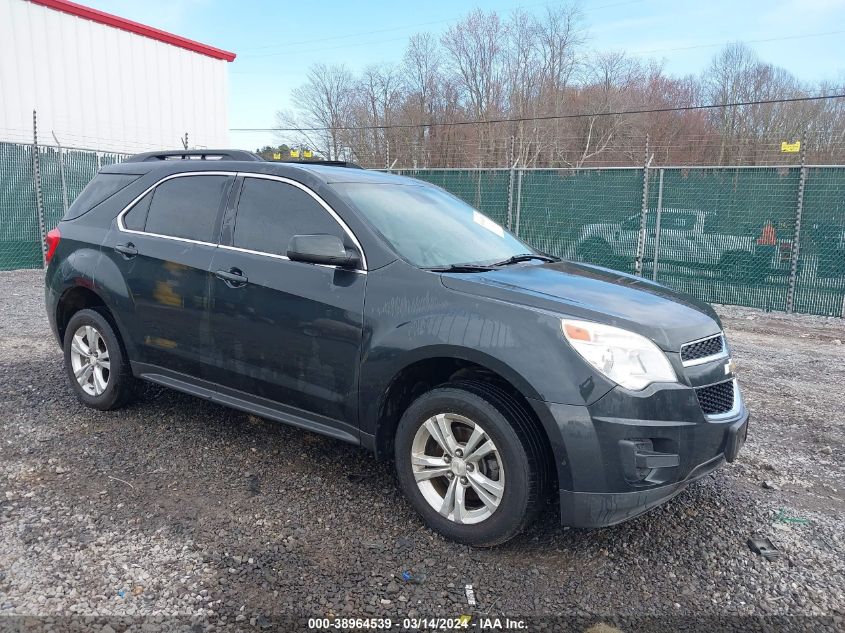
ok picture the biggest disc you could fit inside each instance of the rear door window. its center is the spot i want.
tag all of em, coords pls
(271, 212)
(188, 207)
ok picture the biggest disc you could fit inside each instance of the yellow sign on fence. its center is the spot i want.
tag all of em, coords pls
(790, 148)
(307, 153)
(294, 153)
(277, 156)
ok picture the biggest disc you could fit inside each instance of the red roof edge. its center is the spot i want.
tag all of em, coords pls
(134, 27)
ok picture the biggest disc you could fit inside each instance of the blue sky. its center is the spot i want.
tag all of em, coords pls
(277, 41)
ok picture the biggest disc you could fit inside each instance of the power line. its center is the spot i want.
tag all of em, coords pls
(552, 117)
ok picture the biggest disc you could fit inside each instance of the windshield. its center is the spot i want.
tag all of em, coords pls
(431, 228)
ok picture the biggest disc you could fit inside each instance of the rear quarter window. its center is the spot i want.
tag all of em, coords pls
(103, 187)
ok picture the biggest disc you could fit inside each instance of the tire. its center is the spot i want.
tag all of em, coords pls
(110, 384)
(518, 464)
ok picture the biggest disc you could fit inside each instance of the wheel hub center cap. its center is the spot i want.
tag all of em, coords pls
(458, 467)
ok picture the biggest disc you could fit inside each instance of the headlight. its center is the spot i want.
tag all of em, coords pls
(628, 359)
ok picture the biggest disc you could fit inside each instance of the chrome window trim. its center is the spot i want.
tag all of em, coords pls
(735, 409)
(238, 249)
(705, 359)
(122, 227)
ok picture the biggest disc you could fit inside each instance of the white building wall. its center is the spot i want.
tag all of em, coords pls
(103, 88)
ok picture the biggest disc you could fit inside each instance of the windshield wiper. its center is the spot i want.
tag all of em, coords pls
(462, 268)
(526, 257)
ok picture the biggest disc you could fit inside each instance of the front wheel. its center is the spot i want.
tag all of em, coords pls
(471, 463)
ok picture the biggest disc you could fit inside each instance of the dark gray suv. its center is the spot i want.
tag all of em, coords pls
(385, 312)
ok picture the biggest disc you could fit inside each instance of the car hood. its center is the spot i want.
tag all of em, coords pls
(667, 317)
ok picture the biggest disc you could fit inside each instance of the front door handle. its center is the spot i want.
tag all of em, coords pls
(233, 277)
(128, 250)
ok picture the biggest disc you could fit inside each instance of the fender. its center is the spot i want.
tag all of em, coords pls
(374, 427)
(88, 268)
(73, 270)
(378, 378)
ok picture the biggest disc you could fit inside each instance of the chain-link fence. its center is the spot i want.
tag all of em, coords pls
(29, 180)
(765, 237)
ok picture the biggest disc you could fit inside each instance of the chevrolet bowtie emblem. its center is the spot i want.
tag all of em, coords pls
(730, 367)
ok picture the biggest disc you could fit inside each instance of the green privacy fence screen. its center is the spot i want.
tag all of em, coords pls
(765, 237)
(20, 235)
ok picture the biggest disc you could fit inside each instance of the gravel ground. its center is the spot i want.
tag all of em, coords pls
(174, 506)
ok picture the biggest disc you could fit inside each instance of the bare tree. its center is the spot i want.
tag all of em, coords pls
(325, 101)
(558, 105)
(422, 66)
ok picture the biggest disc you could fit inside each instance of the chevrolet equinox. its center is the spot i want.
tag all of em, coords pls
(383, 311)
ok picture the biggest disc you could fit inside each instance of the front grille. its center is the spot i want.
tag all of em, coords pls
(715, 399)
(703, 348)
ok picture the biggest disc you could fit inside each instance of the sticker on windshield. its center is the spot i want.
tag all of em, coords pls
(487, 223)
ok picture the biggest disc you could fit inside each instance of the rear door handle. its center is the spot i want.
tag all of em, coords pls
(128, 250)
(233, 277)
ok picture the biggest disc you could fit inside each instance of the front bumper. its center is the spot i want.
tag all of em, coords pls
(612, 468)
(602, 509)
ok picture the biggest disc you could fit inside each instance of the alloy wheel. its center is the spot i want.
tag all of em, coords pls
(89, 357)
(458, 468)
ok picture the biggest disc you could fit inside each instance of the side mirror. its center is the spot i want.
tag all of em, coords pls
(322, 249)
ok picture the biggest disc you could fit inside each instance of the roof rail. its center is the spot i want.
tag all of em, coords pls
(194, 154)
(330, 163)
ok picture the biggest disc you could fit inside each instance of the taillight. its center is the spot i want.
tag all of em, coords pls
(53, 238)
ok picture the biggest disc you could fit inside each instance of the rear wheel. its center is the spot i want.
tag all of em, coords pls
(471, 462)
(96, 363)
